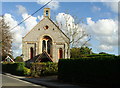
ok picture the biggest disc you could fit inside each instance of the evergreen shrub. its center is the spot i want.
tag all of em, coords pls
(98, 70)
(15, 68)
(43, 69)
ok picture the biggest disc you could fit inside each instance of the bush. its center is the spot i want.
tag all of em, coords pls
(15, 68)
(27, 71)
(98, 70)
(18, 59)
(43, 69)
(80, 52)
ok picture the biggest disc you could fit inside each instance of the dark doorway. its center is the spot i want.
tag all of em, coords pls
(60, 53)
(31, 52)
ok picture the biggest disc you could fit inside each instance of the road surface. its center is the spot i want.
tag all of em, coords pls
(10, 82)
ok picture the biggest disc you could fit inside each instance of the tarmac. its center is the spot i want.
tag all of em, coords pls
(48, 81)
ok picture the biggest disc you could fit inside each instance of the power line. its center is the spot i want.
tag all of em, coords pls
(30, 15)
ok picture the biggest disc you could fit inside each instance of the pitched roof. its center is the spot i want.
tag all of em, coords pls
(33, 28)
(8, 59)
(44, 57)
(58, 28)
(52, 22)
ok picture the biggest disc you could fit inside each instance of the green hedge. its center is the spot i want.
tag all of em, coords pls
(43, 69)
(15, 68)
(98, 70)
(100, 55)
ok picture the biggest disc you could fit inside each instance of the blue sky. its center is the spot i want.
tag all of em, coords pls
(100, 20)
(79, 9)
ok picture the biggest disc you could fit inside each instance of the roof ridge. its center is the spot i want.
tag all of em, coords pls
(44, 52)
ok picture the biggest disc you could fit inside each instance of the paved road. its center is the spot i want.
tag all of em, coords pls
(10, 82)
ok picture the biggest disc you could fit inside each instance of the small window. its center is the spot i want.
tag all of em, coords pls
(46, 12)
(46, 27)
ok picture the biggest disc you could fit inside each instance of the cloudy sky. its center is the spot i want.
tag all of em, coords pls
(100, 21)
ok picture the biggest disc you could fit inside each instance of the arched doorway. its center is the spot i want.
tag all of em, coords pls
(60, 53)
(47, 45)
(31, 52)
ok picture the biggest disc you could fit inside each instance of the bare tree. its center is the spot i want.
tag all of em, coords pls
(5, 38)
(73, 28)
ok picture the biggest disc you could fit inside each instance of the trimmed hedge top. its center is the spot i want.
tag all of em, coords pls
(102, 70)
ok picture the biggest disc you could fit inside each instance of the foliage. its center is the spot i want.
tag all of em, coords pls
(18, 59)
(15, 68)
(6, 40)
(96, 70)
(27, 71)
(43, 69)
(103, 53)
(85, 50)
(78, 52)
(75, 52)
(99, 55)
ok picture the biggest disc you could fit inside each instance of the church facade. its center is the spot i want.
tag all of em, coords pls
(46, 37)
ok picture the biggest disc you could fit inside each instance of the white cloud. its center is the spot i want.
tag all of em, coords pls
(106, 14)
(104, 0)
(95, 8)
(69, 26)
(63, 18)
(40, 17)
(104, 31)
(29, 23)
(19, 31)
(21, 9)
(10, 21)
(54, 4)
(105, 26)
(113, 6)
(105, 48)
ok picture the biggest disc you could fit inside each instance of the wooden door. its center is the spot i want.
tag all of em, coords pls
(60, 53)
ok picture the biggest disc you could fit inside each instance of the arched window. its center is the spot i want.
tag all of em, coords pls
(31, 52)
(60, 53)
(43, 45)
(47, 45)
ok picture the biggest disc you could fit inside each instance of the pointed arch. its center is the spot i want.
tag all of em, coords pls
(47, 44)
